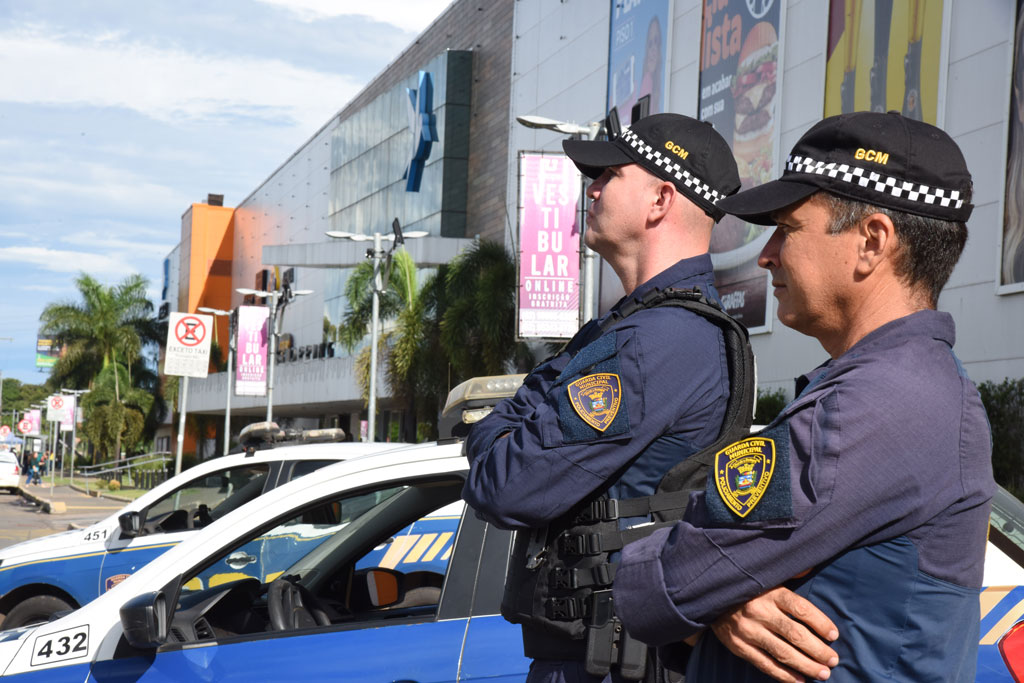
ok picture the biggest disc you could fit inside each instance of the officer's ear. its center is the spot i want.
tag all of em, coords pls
(876, 243)
(665, 196)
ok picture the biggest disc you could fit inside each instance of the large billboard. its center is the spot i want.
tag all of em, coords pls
(884, 55)
(638, 55)
(47, 352)
(1011, 261)
(548, 300)
(740, 95)
(251, 345)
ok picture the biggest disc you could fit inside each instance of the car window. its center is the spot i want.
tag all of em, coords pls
(303, 467)
(1007, 524)
(199, 501)
(337, 556)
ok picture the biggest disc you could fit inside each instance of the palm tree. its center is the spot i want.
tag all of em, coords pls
(479, 320)
(115, 417)
(110, 327)
(400, 302)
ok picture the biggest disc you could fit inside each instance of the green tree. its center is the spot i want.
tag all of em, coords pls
(459, 323)
(1004, 403)
(399, 348)
(110, 327)
(18, 397)
(116, 411)
(478, 323)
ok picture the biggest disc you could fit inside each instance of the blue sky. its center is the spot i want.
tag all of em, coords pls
(116, 115)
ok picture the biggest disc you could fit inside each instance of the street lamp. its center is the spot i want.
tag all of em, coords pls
(232, 322)
(590, 131)
(377, 253)
(279, 298)
(77, 393)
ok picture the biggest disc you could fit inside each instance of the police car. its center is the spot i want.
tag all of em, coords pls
(397, 581)
(44, 576)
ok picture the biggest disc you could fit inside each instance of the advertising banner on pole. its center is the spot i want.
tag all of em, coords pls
(188, 345)
(549, 247)
(35, 418)
(637, 55)
(252, 342)
(70, 411)
(740, 95)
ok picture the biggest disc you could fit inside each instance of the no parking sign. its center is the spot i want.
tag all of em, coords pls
(188, 345)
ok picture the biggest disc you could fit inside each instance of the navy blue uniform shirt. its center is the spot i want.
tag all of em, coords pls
(535, 456)
(878, 481)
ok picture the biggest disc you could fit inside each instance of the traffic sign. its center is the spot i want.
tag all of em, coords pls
(58, 407)
(5, 430)
(25, 426)
(188, 345)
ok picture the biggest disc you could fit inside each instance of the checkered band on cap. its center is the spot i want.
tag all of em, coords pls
(699, 187)
(872, 180)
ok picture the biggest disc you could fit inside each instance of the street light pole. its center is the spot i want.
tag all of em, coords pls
(377, 254)
(232, 323)
(77, 393)
(274, 331)
(378, 289)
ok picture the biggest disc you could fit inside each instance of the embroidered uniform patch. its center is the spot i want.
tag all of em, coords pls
(596, 398)
(743, 471)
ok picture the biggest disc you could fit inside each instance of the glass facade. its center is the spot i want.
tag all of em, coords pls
(370, 151)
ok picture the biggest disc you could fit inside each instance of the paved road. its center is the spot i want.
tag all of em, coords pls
(21, 519)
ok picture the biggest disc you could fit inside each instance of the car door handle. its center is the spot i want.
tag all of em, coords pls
(239, 559)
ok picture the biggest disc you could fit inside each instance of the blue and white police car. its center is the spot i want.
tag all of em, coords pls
(396, 581)
(45, 576)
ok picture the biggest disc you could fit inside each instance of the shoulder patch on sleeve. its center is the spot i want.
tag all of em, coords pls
(750, 479)
(590, 406)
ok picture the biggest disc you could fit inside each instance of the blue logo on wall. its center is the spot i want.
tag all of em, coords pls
(423, 125)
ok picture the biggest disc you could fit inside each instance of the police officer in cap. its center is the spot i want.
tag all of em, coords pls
(869, 495)
(612, 413)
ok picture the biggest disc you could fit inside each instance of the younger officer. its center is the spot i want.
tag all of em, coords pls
(873, 485)
(618, 408)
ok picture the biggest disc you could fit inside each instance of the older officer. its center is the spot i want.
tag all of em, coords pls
(876, 479)
(620, 406)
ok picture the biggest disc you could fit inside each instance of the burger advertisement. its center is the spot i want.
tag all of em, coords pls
(739, 95)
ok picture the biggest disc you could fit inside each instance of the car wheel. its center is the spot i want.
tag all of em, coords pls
(35, 610)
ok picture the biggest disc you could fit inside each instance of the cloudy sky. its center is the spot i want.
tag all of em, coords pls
(116, 115)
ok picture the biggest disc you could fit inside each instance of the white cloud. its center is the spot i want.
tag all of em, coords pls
(88, 183)
(49, 289)
(65, 261)
(108, 243)
(169, 85)
(411, 16)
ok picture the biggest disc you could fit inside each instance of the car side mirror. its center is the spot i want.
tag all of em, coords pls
(1011, 647)
(144, 620)
(376, 588)
(131, 523)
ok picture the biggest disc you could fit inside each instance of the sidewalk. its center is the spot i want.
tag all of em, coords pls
(70, 499)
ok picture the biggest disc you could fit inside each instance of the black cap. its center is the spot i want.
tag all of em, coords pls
(886, 160)
(688, 153)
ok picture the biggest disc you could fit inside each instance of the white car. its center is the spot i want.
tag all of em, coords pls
(45, 576)
(390, 578)
(10, 471)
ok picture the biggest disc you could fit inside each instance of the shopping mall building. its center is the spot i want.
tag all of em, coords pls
(762, 72)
